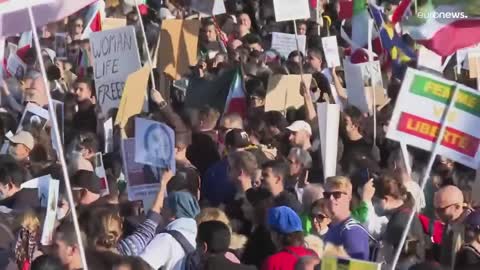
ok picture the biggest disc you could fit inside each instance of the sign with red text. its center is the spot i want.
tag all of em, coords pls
(418, 113)
(115, 56)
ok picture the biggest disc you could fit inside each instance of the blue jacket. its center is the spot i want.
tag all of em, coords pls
(353, 238)
(217, 188)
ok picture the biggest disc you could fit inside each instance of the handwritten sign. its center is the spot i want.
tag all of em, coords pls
(285, 43)
(418, 113)
(288, 10)
(115, 54)
(330, 49)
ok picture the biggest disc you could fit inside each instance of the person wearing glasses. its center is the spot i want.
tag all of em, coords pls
(469, 254)
(320, 216)
(344, 230)
(450, 209)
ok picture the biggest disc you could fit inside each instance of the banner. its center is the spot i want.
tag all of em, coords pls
(288, 10)
(328, 124)
(332, 263)
(284, 43)
(178, 47)
(417, 117)
(154, 144)
(115, 54)
(283, 92)
(136, 174)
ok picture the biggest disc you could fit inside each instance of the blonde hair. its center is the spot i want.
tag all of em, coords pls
(315, 243)
(335, 251)
(29, 220)
(213, 214)
(339, 182)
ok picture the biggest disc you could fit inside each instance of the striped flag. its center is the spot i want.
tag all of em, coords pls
(445, 26)
(236, 100)
(24, 44)
(93, 17)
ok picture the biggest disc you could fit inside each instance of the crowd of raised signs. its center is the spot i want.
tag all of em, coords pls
(235, 135)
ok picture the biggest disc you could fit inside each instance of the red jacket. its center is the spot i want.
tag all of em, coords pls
(286, 259)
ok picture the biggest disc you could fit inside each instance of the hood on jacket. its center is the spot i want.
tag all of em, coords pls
(186, 226)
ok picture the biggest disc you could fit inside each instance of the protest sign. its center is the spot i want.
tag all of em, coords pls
(330, 50)
(335, 263)
(429, 59)
(178, 46)
(61, 46)
(41, 184)
(288, 10)
(51, 216)
(113, 23)
(108, 133)
(154, 144)
(142, 182)
(473, 62)
(208, 7)
(115, 56)
(100, 173)
(16, 67)
(418, 113)
(284, 44)
(328, 123)
(283, 92)
(133, 96)
(359, 77)
(33, 115)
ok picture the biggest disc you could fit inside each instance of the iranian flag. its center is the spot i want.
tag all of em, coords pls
(445, 26)
(236, 100)
(93, 17)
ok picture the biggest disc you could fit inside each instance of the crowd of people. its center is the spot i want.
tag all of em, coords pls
(249, 191)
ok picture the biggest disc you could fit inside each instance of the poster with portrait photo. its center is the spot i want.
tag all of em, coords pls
(16, 67)
(61, 46)
(33, 116)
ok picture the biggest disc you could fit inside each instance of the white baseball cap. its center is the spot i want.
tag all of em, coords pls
(23, 137)
(300, 125)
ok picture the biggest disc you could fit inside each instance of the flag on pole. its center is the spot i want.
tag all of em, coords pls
(24, 44)
(236, 100)
(93, 17)
(445, 26)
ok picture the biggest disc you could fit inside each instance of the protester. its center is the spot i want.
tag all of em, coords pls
(469, 255)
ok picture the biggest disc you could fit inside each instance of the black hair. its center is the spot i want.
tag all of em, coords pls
(276, 119)
(279, 168)
(317, 52)
(135, 263)
(255, 87)
(355, 115)
(215, 234)
(12, 173)
(66, 233)
(47, 262)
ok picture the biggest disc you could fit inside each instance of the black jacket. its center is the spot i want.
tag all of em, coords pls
(468, 256)
(24, 199)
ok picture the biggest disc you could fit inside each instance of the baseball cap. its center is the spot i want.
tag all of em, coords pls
(83, 179)
(284, 220)
(23, 137)
(237, 138)
(300, 125)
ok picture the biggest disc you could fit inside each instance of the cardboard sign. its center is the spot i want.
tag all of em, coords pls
(61, 45)
(335, 263)
(100, 173)
(51, 216)
(328, 123)
(16, 67)
(33, 115)
(288, 10)
(108, 133)
(283, 92)
(284, 43)
(133, 96)
(178, 47)
(154, 144)
(113, 23)
(208, 7)
(115, 54)
(418, 112)
(330, 50)
(142, 183)
(429, 59)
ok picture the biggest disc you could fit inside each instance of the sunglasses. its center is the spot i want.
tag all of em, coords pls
(443, 209)
(318, 216)
(336, 194)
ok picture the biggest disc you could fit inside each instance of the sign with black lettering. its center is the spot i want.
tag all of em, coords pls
(115, 56)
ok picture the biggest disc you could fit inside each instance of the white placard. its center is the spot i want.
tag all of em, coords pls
(208, 7)
(115, 56)
(33, 115)
(328, 123)
(108, 133)
(102, 176)
(429, 59)
(330, 49)
(154, 144)
(51, 216)
(289, 10)
(285, 43)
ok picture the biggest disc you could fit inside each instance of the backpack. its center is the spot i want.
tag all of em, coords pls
(376, 247)
(192, 258)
